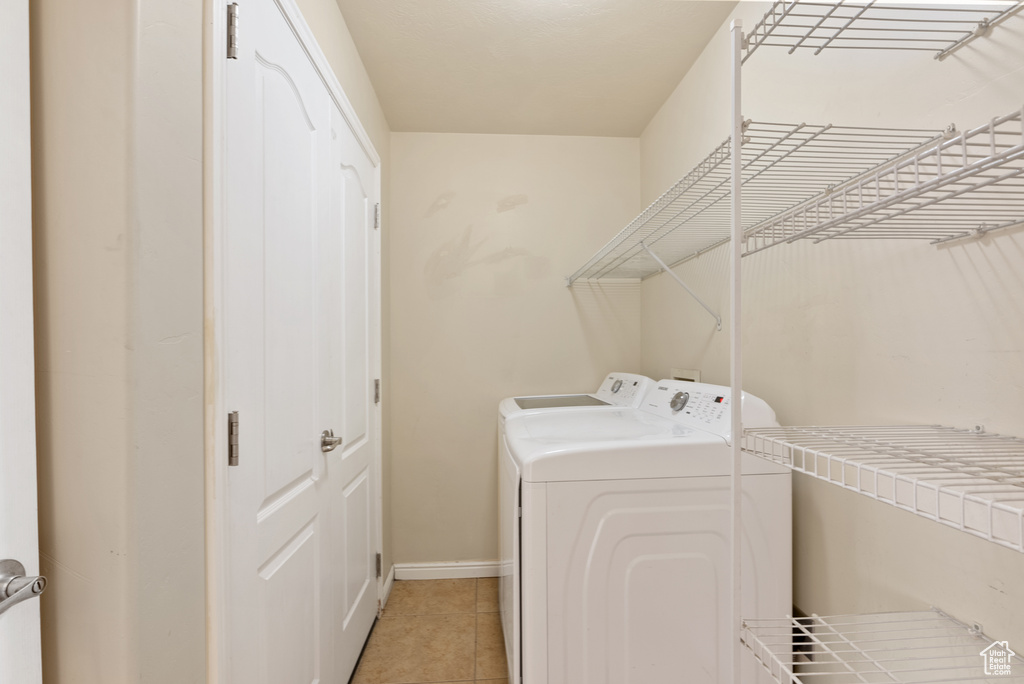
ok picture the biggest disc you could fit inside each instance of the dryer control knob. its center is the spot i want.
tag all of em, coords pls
(616, 386)
(678, 402)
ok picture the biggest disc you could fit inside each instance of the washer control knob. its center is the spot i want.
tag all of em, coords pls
(678, 402)
(616, 386)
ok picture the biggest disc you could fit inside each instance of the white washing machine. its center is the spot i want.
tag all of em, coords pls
(615, 540)
(617, 390)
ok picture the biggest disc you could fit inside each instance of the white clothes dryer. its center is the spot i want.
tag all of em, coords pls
(615, 540)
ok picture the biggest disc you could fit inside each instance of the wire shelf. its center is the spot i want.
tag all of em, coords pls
(817, 26)
(784, 165)
(923, 646)
(962, 186)
(973, 481)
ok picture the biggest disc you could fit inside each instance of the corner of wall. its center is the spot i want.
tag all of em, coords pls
(166, 441)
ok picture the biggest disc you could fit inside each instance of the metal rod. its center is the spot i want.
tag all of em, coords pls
(736, 345)
(664, 267)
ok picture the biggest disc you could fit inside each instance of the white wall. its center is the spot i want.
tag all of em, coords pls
(485, 228)
(861, 332)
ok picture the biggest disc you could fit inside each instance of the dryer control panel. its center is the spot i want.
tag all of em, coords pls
(705, 407)
(624, 389)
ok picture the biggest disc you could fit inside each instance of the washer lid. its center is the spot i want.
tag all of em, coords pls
(558, 401)
(619, 390)
(621, 444)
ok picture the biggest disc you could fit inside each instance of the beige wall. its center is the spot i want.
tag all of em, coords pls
(80, 212)
(868, 332)
(485, 228)
(333, 37)
(166, 462)
(117, 182)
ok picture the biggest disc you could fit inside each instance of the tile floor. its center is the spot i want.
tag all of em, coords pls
(437, 631)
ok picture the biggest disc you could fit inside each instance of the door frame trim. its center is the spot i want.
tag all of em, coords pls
(215, 423)
(19, 492)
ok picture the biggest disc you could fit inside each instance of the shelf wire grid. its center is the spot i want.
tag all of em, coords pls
(963, 185)
(973, 481)
(818, 26)
(906, 647)
(784, 165)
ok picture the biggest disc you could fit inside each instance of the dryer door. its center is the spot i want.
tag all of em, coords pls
(638, 577)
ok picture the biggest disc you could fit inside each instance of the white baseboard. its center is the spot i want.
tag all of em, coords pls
(452, 570)
(389, 581)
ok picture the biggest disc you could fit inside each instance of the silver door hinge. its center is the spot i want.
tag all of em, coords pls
(376, 216)
(376, 391)
(233, 31)
(233, 438)
(380, 565)
(520, 511)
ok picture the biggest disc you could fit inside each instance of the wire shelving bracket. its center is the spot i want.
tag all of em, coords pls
(897, 648)
(669, 271)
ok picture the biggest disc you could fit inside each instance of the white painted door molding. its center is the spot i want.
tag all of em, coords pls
(20, 652)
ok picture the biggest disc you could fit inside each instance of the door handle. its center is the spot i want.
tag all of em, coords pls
(15, 587)
(328, 442)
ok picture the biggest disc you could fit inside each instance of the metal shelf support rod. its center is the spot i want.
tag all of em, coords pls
(666, 269)
(736, 351)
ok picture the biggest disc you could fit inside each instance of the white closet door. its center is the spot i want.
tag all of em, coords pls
(348, 268)
(299, 348)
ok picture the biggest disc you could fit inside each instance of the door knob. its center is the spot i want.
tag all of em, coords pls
(15, 587)
(328, 442)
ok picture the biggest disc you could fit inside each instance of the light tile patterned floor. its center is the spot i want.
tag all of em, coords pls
(437, 631)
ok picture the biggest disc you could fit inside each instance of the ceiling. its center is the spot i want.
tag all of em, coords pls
(554, 67)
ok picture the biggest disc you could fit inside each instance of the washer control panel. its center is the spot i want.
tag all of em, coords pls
(705, 407)
(624, 389)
